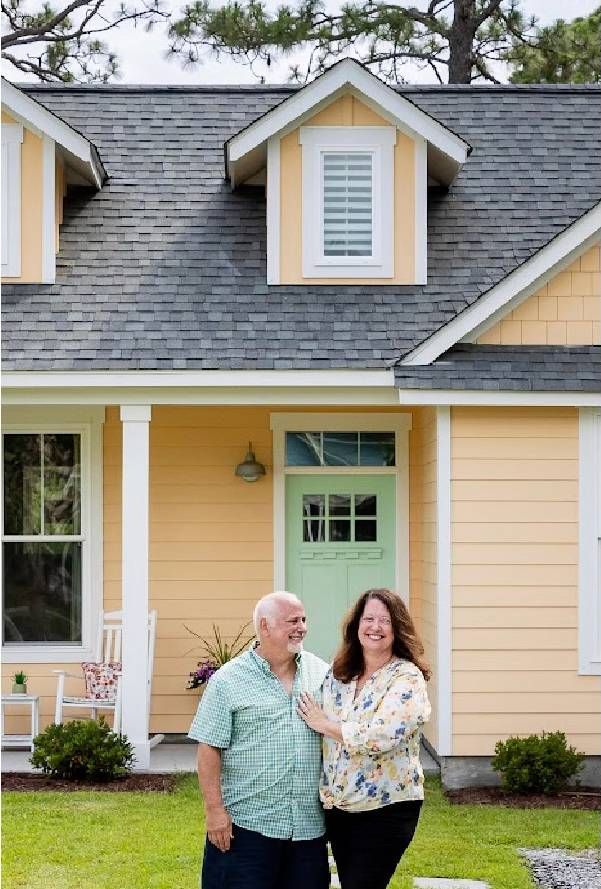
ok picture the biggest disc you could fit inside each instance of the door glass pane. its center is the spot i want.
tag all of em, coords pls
(22, 484)
(303, 449)
(340, 530)
(366, 530)
(314, 531)
(42, 592)
(365, 505)
(341, 448)
(62, 467)
(377, 449)
(339, 504)
(314, 505)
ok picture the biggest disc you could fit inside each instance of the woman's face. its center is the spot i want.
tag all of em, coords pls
(375, 629)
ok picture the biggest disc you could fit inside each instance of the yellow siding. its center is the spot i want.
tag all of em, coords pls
(31, 206)
(515, 577)
(422, 535)
(566, 311)
(346, 111)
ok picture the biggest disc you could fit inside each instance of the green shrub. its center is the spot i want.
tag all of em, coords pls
(536, 764)
(84, 750)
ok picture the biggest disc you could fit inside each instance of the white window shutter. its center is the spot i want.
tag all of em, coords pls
(347, 203)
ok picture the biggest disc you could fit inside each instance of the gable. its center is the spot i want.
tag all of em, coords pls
(564, 311)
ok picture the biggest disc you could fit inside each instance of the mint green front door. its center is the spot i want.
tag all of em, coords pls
(340, 541)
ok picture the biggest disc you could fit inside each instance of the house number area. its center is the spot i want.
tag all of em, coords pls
(340, 518)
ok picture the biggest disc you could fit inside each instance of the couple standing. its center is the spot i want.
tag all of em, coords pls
(285, 740)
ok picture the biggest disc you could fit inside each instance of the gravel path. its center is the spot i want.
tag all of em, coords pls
(558, 869)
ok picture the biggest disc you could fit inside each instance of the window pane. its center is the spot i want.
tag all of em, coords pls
(42, 592)
(347, 204)
(314, 531)
(377, 449)
(22, 484)
(366, 530)
(365, 504)
(314, 505)
(62, 468)
(339, 504)
(340, 530)
(341, 448)
(303, 449)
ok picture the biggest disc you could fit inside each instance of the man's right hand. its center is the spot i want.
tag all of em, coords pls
(219, 828)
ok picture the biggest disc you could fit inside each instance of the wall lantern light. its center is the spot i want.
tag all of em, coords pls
(250, 470)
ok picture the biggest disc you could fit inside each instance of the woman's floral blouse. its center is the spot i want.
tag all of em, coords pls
(378, 763)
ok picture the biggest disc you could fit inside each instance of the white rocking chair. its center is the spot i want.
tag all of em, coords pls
(108, 650)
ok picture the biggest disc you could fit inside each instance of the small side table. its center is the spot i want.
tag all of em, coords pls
(32, 701)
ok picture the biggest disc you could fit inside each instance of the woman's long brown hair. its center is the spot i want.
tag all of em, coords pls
(349, 661)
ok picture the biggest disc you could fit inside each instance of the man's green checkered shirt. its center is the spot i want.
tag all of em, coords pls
(271, 760)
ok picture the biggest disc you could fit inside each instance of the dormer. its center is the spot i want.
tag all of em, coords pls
(42, 157)
(347, 162)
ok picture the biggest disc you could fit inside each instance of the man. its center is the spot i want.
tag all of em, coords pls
(259, 764)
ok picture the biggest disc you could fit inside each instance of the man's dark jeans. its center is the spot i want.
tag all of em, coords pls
(258, 862)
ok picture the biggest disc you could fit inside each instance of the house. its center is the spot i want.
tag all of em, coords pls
(394, 295)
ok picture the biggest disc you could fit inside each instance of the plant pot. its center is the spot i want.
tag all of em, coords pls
(19, 688)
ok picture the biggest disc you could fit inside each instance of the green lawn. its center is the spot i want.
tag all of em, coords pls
(152, 841)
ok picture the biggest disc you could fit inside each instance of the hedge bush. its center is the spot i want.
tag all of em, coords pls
(536, 764)
(83, 750)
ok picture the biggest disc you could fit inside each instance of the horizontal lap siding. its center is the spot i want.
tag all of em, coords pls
(515, 580)
(423, 572)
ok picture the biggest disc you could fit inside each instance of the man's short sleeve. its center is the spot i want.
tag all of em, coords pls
(213, 721)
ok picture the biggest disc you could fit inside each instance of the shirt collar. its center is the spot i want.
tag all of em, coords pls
(264, 665)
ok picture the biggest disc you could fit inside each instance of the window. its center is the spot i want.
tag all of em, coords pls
(589, 612)
(12, 137)
(340, 448)
(340, 518)
(348, 186)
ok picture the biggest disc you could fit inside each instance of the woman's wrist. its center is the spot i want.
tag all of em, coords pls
(333, 729)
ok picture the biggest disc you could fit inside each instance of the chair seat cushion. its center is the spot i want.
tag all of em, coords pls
(101, 680)
(89, 702)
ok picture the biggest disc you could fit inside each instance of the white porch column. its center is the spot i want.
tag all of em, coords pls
(135, 716)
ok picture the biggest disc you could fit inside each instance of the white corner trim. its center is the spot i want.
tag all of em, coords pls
(524, 280)
(421, 211)
(589, 557)
(443, 586)
(48, 211)
(135, 413)
(43, 123)
(379, 143)
(88, 422)
(347, 73)
(273, 210)
(12, 138)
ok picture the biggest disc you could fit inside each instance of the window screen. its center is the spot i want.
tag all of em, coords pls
(347, 204)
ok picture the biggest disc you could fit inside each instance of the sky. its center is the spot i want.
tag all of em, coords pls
(142, 55)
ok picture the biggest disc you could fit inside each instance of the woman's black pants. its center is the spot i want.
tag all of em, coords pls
(367, 846)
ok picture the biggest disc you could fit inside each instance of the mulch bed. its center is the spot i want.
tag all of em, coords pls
(27, 781)
(582, 798)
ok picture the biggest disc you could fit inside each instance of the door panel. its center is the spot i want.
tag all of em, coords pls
(340, 541)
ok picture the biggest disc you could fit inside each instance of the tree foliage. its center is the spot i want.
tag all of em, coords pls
(459, 40)
(564, 52)
(65, 43)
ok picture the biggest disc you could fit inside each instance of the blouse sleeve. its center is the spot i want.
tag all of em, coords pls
(403, 708)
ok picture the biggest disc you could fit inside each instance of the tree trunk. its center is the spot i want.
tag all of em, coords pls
(461, 39)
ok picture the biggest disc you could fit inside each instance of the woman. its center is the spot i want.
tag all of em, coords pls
(374, 705)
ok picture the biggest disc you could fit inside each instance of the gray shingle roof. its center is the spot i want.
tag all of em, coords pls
(514, 368)
(165, 266)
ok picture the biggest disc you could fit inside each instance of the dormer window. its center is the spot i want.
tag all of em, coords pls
(347, 204)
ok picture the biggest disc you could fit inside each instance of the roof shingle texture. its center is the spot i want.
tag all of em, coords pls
(165, 267)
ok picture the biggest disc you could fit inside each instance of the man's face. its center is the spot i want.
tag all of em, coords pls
(287, 628)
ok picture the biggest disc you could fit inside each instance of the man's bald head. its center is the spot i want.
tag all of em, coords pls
(271, 607)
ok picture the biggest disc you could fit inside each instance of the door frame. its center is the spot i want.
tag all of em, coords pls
(398, 422)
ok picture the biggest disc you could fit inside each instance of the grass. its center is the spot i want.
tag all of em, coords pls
(91, 840)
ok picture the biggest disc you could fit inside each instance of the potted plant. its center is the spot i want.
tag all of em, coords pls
(218, 652)
(20, 683)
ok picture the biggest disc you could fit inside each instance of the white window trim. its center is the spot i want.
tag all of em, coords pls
(88, 424)
(12, 138)
(589, 578)
(399, 423)
(379, 142)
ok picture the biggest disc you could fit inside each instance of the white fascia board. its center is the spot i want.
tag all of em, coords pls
(42, 122)
(477, 398)
(348, 74)
(524, 280)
